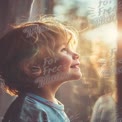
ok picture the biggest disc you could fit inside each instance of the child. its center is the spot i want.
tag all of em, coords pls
(35, 59)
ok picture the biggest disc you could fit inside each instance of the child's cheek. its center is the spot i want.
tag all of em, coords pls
(52, 66)
(48, 70)
(60, 68)
(63, 65)
(55, 65)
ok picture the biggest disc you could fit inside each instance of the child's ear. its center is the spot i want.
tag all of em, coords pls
(35, 71)
(31, 70)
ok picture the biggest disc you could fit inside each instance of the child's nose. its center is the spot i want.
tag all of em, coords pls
(75, 56)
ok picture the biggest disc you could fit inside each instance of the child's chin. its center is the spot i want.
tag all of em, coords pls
(76, 76)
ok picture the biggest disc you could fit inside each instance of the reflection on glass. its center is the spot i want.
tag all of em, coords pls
(96, 22)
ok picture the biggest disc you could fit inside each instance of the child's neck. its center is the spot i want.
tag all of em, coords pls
(48, 93)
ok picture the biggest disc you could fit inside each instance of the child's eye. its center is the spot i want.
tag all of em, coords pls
(64, 50)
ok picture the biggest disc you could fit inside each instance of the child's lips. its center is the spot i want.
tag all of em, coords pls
(76, 66)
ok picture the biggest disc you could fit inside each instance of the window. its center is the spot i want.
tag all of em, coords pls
(96, 22)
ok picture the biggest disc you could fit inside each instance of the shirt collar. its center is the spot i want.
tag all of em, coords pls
(59, 106)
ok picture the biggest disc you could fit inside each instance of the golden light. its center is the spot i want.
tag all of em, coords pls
(106, 33)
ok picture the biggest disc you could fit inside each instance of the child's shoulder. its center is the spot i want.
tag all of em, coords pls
(25, 109)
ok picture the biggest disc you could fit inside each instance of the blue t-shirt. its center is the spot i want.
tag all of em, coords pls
(33, 108)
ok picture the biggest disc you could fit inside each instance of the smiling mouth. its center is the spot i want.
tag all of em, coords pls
(75, 66)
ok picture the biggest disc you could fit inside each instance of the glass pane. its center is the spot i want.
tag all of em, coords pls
(96, 23)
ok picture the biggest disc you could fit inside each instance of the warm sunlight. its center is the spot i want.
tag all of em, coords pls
(106, 33)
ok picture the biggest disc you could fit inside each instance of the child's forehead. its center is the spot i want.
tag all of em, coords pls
(66, 37)
(61, 41)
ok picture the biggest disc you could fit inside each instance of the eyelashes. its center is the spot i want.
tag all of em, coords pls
(64, 50)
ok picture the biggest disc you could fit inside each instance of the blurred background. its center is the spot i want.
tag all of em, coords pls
(96, 23)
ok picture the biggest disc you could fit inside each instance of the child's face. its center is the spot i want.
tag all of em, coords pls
(64, 66)
(69, 60)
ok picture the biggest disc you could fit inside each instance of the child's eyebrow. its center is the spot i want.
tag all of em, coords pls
(65, 44)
